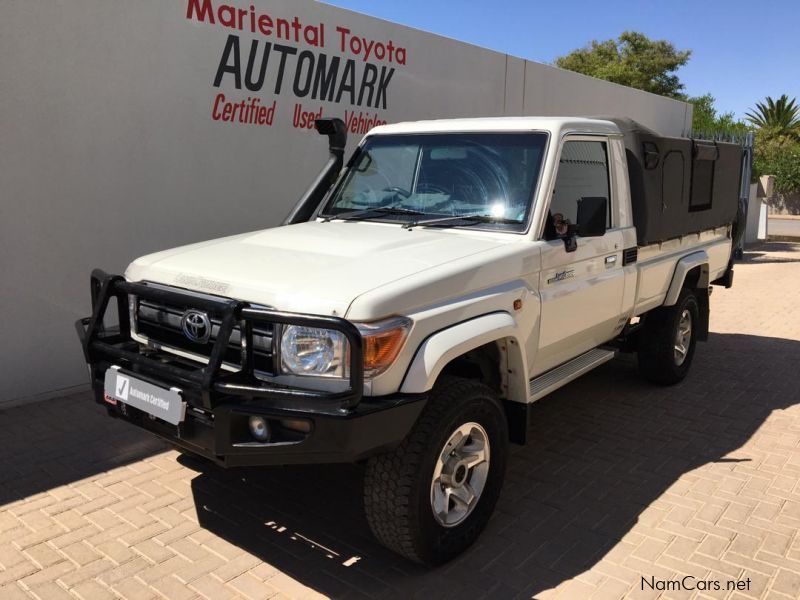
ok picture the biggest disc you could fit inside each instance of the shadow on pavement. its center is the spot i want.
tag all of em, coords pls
(53, 443)
(601, 450)
(768, 252)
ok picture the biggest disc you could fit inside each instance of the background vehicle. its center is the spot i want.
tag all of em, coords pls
(417, 302)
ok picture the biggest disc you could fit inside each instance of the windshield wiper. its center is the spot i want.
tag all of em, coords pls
(475, 218)
(379, 210)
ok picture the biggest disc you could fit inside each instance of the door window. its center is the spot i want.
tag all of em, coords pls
(582, 173)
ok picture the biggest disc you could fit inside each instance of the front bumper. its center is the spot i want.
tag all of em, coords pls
(342, 426)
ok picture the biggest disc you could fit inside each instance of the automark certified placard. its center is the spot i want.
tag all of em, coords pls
(157, 401)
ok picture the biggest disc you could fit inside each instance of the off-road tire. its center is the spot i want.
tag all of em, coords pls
(656, 356)
(397, 485)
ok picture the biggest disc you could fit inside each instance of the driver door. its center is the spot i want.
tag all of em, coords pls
(581, 291)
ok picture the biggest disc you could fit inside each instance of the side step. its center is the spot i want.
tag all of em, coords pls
(555, 378)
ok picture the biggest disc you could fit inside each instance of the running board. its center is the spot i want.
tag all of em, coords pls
(552, 380)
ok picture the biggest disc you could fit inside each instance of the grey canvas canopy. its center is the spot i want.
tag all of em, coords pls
(679, 185)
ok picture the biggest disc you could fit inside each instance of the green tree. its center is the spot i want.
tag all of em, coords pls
(634, 60)
(779, 117)
(777, 147)
(704, 114)
(705, 117)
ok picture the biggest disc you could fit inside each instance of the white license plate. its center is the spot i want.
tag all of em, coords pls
(163, 403)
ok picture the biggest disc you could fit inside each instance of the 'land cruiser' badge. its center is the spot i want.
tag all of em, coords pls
(561, 276)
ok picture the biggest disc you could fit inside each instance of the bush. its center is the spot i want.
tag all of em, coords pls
(779, 156)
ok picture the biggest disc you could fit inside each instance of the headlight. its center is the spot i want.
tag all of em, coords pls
(313, 351)
(325, 352)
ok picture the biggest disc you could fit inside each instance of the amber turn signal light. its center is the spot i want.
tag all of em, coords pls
(383, 341)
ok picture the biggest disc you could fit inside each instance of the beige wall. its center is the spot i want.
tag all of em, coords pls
(110, 151)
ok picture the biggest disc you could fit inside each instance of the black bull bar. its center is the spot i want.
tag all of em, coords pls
(210, 382)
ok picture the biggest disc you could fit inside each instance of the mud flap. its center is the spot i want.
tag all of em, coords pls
(517, 417)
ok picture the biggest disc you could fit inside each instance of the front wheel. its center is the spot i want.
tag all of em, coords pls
(668, 340)
(430, 498)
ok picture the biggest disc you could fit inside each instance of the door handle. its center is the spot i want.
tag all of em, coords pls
(610, 260)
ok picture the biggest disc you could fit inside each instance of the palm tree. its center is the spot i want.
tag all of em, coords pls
(781, 116)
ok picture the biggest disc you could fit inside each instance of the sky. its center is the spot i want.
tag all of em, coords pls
(741, 51)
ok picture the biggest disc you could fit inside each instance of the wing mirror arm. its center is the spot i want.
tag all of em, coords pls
(571, 238)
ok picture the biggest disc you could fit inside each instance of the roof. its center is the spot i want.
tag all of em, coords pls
(552, 124)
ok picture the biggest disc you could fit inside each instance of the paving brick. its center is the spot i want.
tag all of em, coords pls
(123, 571)
(33, 504)
(153, 551)
(88, 571)
(212, 588)
(10, 556)
(200, 567)
(132, 537)
(750, 565)
(25, 540)
(710, 512)
(745, 545)
(17, 572)
(236, 567)
(681, 548)
(133, 589)
(43, 555)
(50, 591)
(172, 518)
(713, 546)
(787, 582)
(48, 574)
(80, 553)
(133, 515)
(188, 549)
(650, 549)
(611, 589)
(161, 570)
(76, 535)
(175, 533)
(115, 551)
(116, 532)
(103, 519)
(91, 590)
(251, 587)
(13, 592)
(170, 587)
(682, 567)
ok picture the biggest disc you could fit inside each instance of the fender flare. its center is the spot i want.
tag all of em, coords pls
(686, 264)
(445, 345)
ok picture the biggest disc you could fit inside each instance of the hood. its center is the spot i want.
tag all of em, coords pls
(312, 267)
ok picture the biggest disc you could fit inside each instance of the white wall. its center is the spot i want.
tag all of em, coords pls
(110, 151)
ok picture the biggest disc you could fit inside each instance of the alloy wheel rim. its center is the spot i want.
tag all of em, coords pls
(683, 337)
(460, 475)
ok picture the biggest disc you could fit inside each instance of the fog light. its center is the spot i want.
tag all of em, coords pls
(259, 429)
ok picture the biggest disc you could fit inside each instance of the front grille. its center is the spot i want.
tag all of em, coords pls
(161, 324)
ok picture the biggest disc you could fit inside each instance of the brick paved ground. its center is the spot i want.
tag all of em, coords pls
(621, 481)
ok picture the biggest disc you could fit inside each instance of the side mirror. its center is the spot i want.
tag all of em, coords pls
(592, 216)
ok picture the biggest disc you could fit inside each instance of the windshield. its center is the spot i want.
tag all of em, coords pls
(443, 175)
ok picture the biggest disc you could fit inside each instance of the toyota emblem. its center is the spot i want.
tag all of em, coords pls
(196, 326)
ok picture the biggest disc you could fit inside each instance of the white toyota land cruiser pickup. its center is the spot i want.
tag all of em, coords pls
(417, 301)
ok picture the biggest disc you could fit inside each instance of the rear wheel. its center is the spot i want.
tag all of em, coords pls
(667, 341)
(431, 498)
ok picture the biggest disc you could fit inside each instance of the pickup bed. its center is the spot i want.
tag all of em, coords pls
(417, 301)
